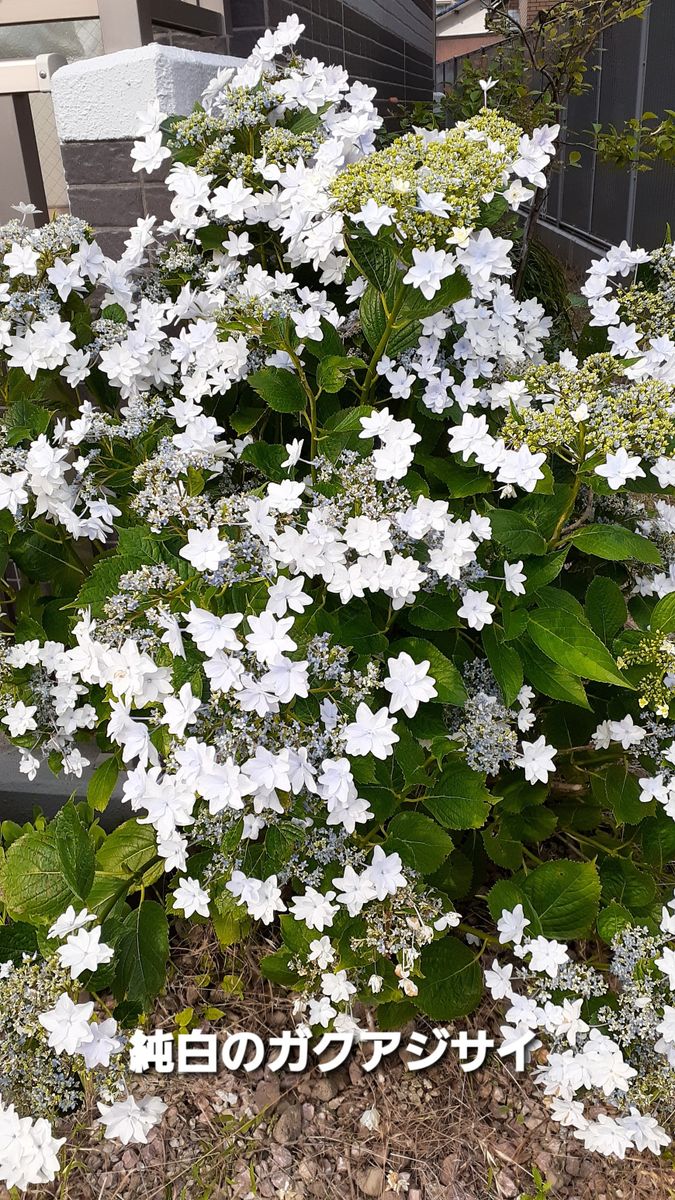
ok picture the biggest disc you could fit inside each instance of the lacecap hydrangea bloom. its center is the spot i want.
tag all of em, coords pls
(354, 592)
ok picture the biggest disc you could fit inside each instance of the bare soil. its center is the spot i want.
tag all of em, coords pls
(441, 1134)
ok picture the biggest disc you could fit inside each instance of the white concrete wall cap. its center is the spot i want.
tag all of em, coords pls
(97, 99)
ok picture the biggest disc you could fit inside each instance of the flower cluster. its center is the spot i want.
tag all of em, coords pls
(610, 1039)
(52, 1050)
(564, 403)
(639, 313)
(316, 557)
(431, 182)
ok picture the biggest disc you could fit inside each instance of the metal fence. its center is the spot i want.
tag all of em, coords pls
(631, 73)
(73, 29)
(599, 201)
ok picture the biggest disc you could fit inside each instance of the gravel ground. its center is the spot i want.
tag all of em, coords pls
(438, 1134)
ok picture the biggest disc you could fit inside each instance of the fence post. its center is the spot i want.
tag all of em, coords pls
(639, 109)
(21, 171)
(95, 104)
(21, 177)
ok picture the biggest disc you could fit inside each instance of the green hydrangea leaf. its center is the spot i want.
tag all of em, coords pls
(459, 799)
(421, 843)
(566, 641)
(142, 953)
(452, 983)
(280, 389)
(616, 543)
(560, 899)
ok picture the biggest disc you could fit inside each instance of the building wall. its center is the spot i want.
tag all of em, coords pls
(529, 9)
(459, 31)
(451, 51)
(389, 44)
(468, 19)
(462, 31)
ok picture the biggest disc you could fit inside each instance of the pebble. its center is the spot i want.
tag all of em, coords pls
(266, 1093)
(506, 1184)
(450, 1133)
(370, 1181)
(448, 1170)
(323, 1089)
(289, 1126)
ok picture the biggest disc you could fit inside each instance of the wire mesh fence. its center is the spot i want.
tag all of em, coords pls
(630, 73)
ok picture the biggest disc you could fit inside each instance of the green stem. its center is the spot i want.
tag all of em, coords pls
(565, 515)
(125, 885)
(382, 344)
(312, 398)
(614, 852)
(479, 933)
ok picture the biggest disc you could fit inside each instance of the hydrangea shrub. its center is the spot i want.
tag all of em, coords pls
(357, 594)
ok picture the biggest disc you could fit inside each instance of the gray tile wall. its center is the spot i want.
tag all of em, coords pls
(386, 43)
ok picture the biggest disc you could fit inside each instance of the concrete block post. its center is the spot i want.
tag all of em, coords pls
(95, 104)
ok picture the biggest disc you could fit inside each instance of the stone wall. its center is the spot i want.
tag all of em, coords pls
(103, 189)
(386, 43)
